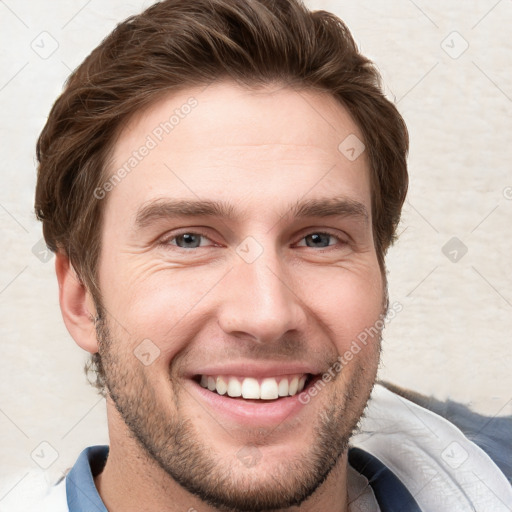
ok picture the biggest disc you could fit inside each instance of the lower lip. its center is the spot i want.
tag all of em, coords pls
(250, 413)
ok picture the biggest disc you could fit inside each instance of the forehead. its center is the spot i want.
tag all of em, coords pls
(250, 147)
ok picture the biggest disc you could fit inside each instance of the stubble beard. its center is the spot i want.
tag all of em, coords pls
(176, 445)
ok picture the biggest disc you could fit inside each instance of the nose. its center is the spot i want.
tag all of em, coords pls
(260, 301)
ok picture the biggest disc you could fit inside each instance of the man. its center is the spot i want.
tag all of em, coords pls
(220, 181)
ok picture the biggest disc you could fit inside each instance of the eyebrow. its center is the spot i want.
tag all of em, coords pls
(333, 207)
(165, 208)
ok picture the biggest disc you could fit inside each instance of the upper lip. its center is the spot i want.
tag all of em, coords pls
(256, 369)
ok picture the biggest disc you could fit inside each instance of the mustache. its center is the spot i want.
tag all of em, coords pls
(287, 349)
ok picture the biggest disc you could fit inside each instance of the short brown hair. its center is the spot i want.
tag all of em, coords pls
(177, 44)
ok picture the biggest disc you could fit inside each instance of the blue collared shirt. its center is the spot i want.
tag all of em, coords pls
(82, 495)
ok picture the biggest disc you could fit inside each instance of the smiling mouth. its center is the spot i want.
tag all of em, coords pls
(251, 388)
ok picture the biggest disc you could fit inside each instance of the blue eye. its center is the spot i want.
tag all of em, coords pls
(188, 240)
(191, 240)
(319, 240)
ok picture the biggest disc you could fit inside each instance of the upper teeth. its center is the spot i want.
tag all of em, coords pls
(249, 387)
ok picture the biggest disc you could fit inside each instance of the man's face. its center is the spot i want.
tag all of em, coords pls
(239, 252)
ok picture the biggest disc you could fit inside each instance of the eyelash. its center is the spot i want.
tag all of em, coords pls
(167, 241)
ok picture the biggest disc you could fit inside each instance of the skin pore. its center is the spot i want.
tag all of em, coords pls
(241, 243)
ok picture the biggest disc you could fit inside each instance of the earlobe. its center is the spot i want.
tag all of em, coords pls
(76, 305)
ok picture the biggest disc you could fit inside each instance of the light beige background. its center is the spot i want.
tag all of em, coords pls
(452, 338)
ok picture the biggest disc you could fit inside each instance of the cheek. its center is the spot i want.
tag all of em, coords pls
(163, 305)
(169, 306)
(348, 302)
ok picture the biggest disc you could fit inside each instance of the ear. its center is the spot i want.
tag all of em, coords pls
(76, 305)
